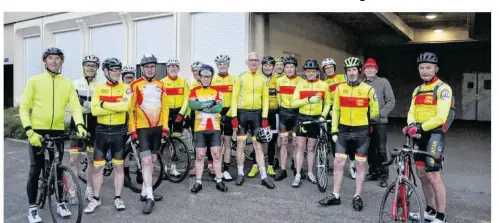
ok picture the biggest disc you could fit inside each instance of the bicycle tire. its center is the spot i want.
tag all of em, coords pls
(410, 186)
(137, 188)
(53, 211)
(42, 187)
(321, 172)
(83, 174)
(185, 151)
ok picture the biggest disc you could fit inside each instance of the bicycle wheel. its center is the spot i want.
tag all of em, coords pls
(69, 189)
(178, 159)
(321, 166)
(415, 207)
(42, 186)
(82, 168)
(135, 174)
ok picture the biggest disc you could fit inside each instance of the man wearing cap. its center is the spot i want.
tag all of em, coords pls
(377, 146)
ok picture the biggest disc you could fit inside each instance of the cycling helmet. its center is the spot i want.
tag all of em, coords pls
(311, 64)
(111, 62)
(267, 60)
(197, 65)
(91, 58)
(128, 69)
(222, 59)
(147, 59)
(427, 57)
(290, 60)
(264, 135)
(172, 62)
(52, 51)
(352, 62)
(328, 61)
(206, 70)
(279, 59)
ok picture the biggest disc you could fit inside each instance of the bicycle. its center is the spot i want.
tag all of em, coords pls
(49, 182)
(108, 166)
(402, 188)
(322, 148)
(179, 158)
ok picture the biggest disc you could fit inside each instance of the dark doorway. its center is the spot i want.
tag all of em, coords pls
(8, 94)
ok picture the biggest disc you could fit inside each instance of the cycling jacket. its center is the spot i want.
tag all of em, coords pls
(285, 87)
(177, 90)
(48, 97)
(206, 121)
(224, 84)
(148, 105)
(85, 90)
(333, 81)
(306, 89)
(272, 84)
(250, 92)
(354, 106)
(110, 103)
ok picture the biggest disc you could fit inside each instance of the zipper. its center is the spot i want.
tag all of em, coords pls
(53, 101)
(351, 95)
(111, 97)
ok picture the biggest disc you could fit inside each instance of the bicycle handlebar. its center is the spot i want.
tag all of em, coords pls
(64, 136)
(315, 122)
(405, 149)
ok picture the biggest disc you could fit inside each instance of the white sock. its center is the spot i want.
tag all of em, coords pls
(143, 193)
(149, 193)
(31, 207)
(89, 187)
(198, 181)
(298, 176)
(263, 173)
(240, 170)
(352, 164)
(337, 195)
(356, 195)
(219, 179)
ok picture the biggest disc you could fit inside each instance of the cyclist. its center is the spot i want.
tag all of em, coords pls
(429, 117)
(312, 99)
(354, 103)
(110, 102)
(249, 106)
(128, 74)
(207, 103)
(177, 90)
(279, 66)
(84, 88)
(377, 143)
(48, 108)
(189, 120)
(223, 82)
(148, 122)
(268, 63)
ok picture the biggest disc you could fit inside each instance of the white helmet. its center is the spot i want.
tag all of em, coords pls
(91, 58)
(172, 62)
(264, 135)
(222, 59)
(128, 69)
(328, 61)
(197, 65)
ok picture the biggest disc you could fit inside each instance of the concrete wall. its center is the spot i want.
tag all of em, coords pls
(11, 17)
(311, 36)
(8, 39)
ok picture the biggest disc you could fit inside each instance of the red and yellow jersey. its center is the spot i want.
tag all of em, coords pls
(194, 83)
(333, 82)
(306, 89)
(148, 106)
(177, 90)
(354, 106)
(285, 87)
(204, 121)
(224, 84)
(116, 100)
(272, 84)
(250, 92)
(430, 111)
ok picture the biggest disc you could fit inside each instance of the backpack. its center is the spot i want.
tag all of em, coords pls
(452, 112)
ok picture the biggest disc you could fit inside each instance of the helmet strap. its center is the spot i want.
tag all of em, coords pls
(52, 72)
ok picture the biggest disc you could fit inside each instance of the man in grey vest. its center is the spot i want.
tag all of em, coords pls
(377, 147)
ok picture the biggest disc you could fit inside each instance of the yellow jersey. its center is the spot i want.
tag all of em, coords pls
(148, 105)
(177, 90)
(306, 89)
(250, 92)
(285, 87)
(333, 81)
(205, 121)
(224, 84)
(272, 84)
(110, 103)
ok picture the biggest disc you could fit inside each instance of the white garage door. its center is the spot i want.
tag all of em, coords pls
(108, 41)
(71, 44)
(155, 36)
(220, 33)
(32, 57)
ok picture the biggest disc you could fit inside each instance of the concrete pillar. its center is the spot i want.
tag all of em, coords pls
(183, 51)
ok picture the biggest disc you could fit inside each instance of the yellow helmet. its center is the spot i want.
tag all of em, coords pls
(279, 59)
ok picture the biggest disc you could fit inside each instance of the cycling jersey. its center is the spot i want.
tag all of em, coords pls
(353, 106)
(285, 87)
(194, 83)
(250, 92)
(85, 90)
(177, 90)
(205, 121)
(272, 84)
(333, 81)
(430, 111)
(110, 103)
(306, 89)
(224, 84)
(279, 75)
(148, 106)
(48, 102)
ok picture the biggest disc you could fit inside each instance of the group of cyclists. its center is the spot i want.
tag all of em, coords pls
(219, 107)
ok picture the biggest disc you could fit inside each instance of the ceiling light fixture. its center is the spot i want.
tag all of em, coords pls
(438, 30)
(431, 16)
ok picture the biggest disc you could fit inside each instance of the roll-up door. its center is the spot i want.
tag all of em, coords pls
(155, 36)
(32, 56)
(108, 41)
(71, 44)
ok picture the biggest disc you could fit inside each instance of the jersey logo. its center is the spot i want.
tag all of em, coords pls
(428, 100)
(345, 91)
(360, 102)
(104, 91)
(445, 95)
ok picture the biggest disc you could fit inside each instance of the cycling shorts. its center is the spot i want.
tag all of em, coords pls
(287, 121)
(210, 138)
(111, 137)
(174, 126)
(249, 122)
(434, 144)
(312, 130)
(353, 139)
(149, 140)
(226, 123)
(75, 146)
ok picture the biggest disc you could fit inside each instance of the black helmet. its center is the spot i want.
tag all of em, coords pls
(53, 51)
(267, 60)
(148, 58)
(111, 62)
(290, 60)
(311, 64)
(427, 57)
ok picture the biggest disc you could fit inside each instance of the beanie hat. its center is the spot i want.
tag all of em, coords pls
(371, 63)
